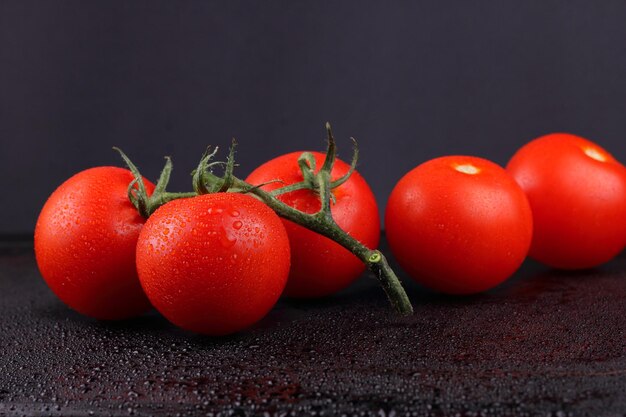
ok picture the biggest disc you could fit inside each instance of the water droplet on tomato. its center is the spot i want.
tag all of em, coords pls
(234, 213)
(237, 225)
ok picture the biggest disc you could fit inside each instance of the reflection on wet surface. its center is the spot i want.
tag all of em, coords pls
(547, 342)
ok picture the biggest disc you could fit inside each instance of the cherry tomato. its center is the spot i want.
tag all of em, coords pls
(85, 242)
(458, 224)
(213, 264)
(320, 266)
(577, 192)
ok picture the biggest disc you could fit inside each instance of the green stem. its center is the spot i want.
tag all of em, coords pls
(165, 197)
(322, 222)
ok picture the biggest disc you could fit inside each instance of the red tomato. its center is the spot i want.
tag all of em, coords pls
(577, 192)
(213, 264)
(320, 266)
(85, 242)
(458, 224)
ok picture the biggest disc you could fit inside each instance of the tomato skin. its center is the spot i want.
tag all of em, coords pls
(85, 241)
(213, 264)
(456, 232)
(578, 201)
(320, 266)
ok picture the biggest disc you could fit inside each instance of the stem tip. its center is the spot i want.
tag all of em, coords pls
(375, 257)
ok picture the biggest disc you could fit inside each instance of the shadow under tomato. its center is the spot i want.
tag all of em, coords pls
(530, 281)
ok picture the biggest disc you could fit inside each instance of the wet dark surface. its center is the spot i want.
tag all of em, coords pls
(545, 343)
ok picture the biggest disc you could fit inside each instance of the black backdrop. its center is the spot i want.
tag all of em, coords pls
(410, 80)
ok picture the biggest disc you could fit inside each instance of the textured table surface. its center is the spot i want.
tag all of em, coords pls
(545, 343)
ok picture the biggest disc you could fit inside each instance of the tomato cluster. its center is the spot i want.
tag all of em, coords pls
(213, 263)
(216, 263)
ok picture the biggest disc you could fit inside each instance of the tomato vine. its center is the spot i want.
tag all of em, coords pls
(322, 222)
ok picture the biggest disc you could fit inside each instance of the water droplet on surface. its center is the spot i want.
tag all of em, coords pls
(237, 225)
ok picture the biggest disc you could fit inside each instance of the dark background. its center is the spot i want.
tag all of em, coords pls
(410, 80)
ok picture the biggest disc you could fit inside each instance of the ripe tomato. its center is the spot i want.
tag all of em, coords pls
(85, 242)
(213, 264)
(577, 192)
(458, 224)
(320, 266)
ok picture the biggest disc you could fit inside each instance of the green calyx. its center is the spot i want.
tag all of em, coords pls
(138, 195)
(311, 179)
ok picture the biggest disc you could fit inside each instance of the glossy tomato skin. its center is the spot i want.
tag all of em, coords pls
(213, 264)
(320, 266)
(577, 192)
(85, 241)
(458, 224)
